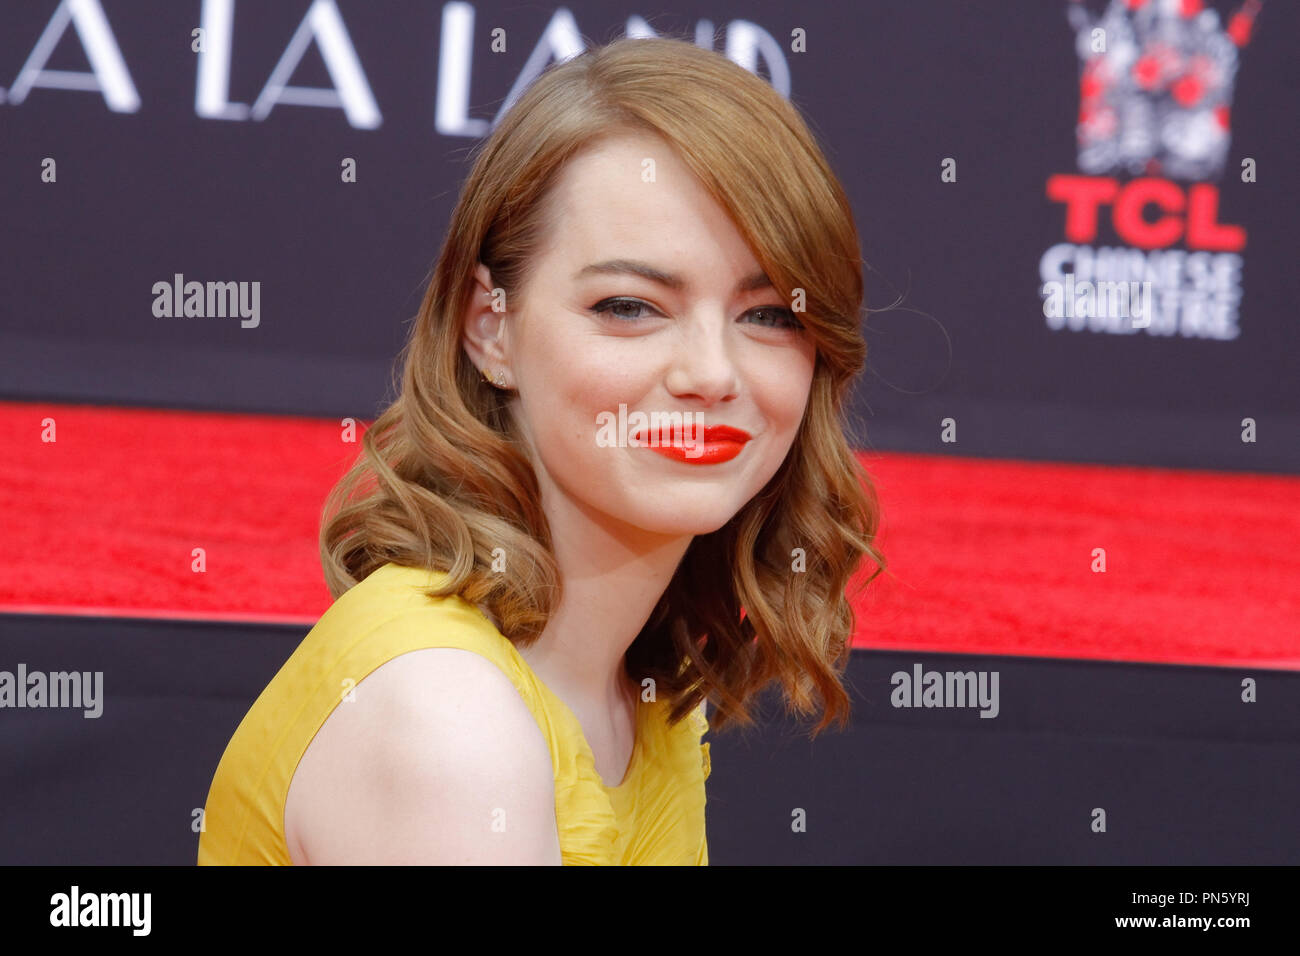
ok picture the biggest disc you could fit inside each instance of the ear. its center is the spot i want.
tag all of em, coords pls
(485, 334)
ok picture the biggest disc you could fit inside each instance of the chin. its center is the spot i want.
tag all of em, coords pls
(703, 519)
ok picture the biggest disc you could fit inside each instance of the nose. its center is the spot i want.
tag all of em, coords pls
(704, 367)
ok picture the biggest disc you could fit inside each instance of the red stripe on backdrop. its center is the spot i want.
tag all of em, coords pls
(997, 557)
(107, 516)
(984, 556)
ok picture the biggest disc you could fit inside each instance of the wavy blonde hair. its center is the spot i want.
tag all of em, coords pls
(442, 479)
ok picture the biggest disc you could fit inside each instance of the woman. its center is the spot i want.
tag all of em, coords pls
(614, 485)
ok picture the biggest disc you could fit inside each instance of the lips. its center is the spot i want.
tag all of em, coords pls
(721, 443)
(725, 433)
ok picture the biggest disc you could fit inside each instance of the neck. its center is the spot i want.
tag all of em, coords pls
(613, 576)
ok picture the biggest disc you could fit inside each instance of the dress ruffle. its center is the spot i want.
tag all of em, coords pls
(700, 726)
(668, 798)
(585, 817)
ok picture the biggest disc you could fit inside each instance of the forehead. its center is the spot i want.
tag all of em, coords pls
(632, 193)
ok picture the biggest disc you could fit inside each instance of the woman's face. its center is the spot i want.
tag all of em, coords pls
(711, 341)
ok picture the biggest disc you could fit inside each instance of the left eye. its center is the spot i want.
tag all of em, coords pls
(769, 313)
(779, 315)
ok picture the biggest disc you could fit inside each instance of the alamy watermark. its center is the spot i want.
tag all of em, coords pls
(213, 300)
(922, 688)
(642, 430)
(1104, 304)
(76, 908)
(78, 689)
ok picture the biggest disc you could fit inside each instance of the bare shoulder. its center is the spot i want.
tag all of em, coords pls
(435, 759)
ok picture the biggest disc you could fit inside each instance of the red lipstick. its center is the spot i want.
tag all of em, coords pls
(721, 443)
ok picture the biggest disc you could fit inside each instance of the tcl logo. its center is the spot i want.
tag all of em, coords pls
(1192, 217)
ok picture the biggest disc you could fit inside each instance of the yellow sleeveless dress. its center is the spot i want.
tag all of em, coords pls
(655, 816)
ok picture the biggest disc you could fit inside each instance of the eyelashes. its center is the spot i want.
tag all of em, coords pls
(607, 307)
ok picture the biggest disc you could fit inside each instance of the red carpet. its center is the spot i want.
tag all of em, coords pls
(984, 556)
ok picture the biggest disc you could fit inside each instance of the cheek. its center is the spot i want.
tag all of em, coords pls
(592, 377)
(566, 413)
(783, 395)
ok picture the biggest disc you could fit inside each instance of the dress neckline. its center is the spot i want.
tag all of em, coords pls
(634, 762)
(641, 729)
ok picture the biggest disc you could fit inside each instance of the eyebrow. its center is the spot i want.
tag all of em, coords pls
(758, 280)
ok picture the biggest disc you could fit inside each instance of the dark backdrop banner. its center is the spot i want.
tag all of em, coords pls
(1005, 161)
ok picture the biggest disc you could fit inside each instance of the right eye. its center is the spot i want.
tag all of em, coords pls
(607, 308)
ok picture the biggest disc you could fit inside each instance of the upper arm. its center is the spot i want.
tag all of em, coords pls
(438, 760)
